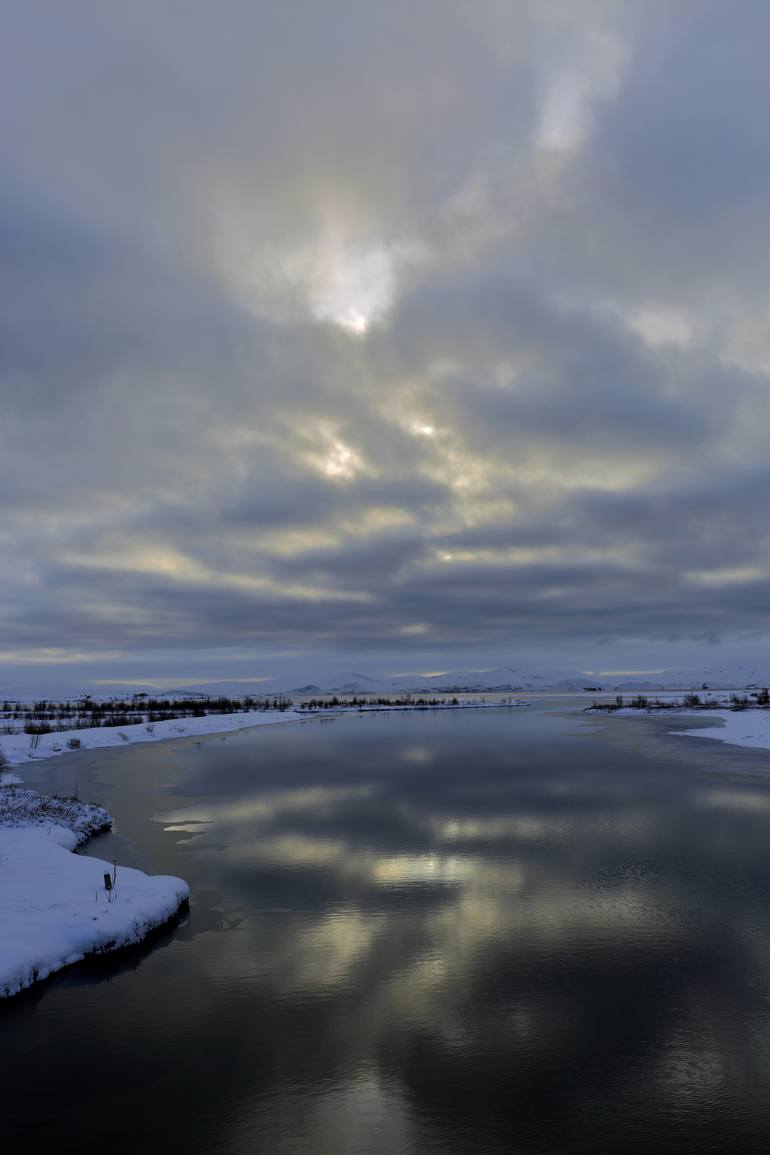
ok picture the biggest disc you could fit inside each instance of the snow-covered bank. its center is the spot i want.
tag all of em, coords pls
(28, 808)
(749, 727)
(54, 909)
(19, 748)
(739, 727)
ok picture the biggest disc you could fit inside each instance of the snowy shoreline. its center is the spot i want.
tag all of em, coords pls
(20, 748)
(748, 728)
(54, 905)
(740, 727)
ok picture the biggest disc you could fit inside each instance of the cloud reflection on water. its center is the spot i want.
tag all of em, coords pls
(546, 927)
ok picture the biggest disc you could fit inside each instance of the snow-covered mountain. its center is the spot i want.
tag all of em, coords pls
(352, 683)
(305, 682)
(500, 679)
(505, 679)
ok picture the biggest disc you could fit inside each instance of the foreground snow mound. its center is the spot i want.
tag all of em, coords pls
(54, 908)
(28, 808)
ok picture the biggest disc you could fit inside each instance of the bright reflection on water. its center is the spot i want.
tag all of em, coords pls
(452, 933)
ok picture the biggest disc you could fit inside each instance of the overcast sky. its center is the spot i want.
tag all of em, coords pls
(405, 335)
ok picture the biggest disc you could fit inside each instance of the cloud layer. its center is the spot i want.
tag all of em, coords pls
(361, 328)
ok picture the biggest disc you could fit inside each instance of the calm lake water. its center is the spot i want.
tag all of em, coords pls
(493, 931)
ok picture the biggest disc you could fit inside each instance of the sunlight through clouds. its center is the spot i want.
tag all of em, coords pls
(342, 462)
(331, 278)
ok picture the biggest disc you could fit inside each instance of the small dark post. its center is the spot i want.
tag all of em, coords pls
(107, 882)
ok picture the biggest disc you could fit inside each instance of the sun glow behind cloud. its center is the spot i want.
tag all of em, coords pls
(350, 287)
(332, 277)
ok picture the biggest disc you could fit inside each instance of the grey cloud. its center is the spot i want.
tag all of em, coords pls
(577, 378)
(199, 451)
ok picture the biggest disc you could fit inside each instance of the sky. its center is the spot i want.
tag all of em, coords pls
(405, 336)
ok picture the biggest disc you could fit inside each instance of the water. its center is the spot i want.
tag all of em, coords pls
(498, 931)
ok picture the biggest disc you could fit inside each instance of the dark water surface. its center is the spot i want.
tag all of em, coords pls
(493, 931)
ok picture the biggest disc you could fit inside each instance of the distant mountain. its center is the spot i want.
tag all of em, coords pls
(518, 679)
(352, 683)
(717, 677)
(502, 679)
(309, 682)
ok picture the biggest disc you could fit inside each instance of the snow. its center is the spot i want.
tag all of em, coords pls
(18, 748)
(28, 808)
(740, 727)
(54, 909)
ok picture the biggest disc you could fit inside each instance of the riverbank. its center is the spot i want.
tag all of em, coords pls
(749, 727)
(20, 747)
(738, 727)
(55, 907)
(418, 707)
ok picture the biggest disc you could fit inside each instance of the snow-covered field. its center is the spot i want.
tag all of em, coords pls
(54, 908)
(19, 748)
(740, 727)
